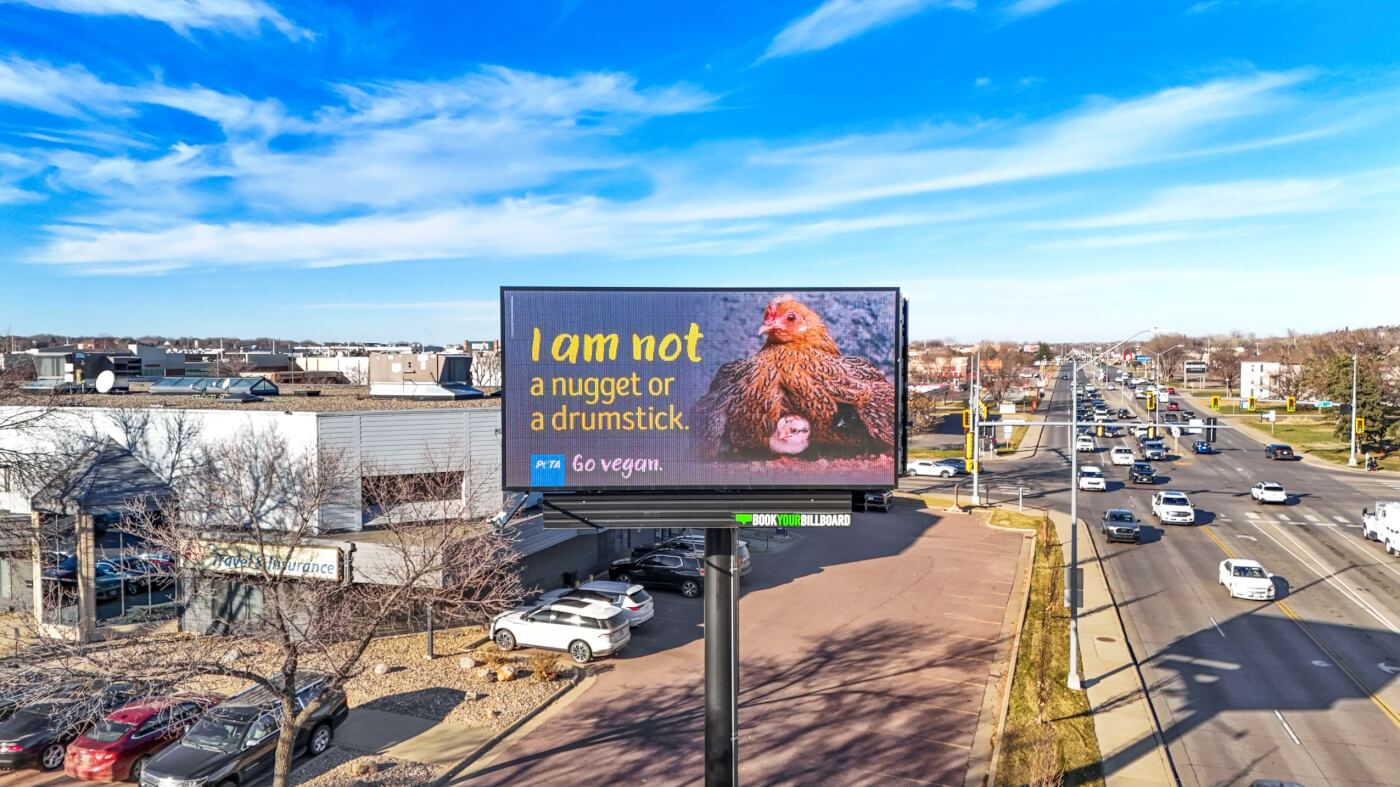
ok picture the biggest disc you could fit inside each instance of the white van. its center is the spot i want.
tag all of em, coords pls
(1121, 455)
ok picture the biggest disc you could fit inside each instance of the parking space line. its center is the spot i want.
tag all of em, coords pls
(1287, 728)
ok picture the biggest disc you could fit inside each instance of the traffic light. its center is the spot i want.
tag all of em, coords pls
(970, 465)
(969, 440)
(984, 410)
(1151, 433)
(967, 419)
(1151, 401)
(1251, 404)
(1210, 428)
(1292, 404)
(1099, 430)
(1215, 403)
(1360, 424)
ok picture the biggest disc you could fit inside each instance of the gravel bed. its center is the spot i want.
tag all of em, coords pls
(437, 690)
(339, 767)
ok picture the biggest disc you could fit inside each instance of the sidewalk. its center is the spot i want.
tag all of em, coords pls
(1132, 749)
(1030, 443)
(409, 737)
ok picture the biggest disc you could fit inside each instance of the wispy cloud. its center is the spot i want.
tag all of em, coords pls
(474, 306)
(1220, 202)
(736, 198)
(835, 21)
(236, 16)
(1031, 7)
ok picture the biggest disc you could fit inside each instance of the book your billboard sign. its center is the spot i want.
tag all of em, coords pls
(663, 389)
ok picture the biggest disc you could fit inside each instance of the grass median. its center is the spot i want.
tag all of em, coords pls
(1049, 737)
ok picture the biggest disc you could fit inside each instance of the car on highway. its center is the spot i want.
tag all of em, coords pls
(1119, 524)
(937, 468)
(1154, 450)
(1110, 387)
(1268, 492)
(1085, 444)
(1173, 406)
(1279, 451)
(1140, 393)
(1202, 447)
(1121, 455)
(680, 570)
(583, 629)
(236, 742)
(1124, 414)
(1091, 479)
(632, 599)
(1246, 579)
(118, 747)
(1142, 473)
(1173, 508)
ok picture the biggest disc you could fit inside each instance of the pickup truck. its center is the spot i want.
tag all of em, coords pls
(1173, 508)
(1383, 525)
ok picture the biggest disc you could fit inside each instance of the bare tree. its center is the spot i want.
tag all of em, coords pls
(250, 512)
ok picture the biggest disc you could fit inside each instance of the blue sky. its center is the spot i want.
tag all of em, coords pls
(1057, 169)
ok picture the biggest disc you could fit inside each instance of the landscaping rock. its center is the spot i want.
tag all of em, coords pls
(382, 669)
(487, 674)
(506, 673)
(466, 662)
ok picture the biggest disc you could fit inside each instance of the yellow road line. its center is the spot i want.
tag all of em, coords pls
(1302, 626)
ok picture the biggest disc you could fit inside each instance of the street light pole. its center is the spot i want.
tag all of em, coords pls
(976, 404)
(1074, 682)
(1351, 460)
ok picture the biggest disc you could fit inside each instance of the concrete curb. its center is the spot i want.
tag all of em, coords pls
(1128, 721)
(986, 742)
(464, 768)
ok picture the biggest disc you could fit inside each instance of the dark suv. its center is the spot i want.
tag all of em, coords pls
(1142, 473)
(235, 743)
(667, 568)
(1278, 451)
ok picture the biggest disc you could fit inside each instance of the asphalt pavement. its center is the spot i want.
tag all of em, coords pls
(1302, 688)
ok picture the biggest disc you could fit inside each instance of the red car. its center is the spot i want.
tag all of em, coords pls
(118, 747)
(1173, 406)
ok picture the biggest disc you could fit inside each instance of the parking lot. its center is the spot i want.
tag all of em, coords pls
(866, 657)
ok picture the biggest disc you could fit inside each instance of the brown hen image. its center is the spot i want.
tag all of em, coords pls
(848, 401)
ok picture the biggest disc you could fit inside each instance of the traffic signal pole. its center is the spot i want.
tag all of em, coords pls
(1074, 682)
(1351, 460)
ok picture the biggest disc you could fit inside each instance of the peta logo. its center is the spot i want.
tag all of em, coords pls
(546, 470)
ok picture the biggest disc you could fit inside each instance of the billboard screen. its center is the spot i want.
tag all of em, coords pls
(700, 389)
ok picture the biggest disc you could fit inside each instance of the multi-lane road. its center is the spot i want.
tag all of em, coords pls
(1303, 688)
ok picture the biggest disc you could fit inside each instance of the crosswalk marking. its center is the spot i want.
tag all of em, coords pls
(1340, 520)
(1311, 518)
(1283, 517)
(1252, 514)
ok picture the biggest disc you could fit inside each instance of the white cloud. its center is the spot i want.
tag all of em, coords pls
(507, 165)
(1031, 7)
(239, 16)
(835, 21)
(1221, 201)
(1127, 239)
(59, 91)
(982, 81)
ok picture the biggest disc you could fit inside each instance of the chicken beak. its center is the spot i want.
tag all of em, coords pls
(767, 327)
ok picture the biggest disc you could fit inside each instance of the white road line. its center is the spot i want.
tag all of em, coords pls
(1341, 520)
(1217, 625)
(1252, 514)
(1283, 518)
(1241, 469)
(1287, 728)
(1311, 518)
(1328, 576)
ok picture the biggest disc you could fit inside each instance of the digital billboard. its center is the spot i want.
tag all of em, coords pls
(660, 389)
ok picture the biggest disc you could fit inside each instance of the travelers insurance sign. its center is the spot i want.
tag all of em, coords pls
(699, 389)
(294, 562)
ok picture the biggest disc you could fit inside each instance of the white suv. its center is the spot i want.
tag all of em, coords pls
(1268, 492)
(583, 629)
(1091, 479)
(1121, 455)
(1173, 508)
(1085, 444)
(941, 468)
(632, 599)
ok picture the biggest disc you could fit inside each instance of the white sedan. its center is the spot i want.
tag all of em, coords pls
(1268, 492)
(1091, 479)
(1246, 579)
(940, 468)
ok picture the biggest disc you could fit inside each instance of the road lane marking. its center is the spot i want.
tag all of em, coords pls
(1217, 627)
(1252, 514)
(1319, 568)
(1283, 518)
(1340, 519)
(1287, 728)
(1287, 610)
(1311, 518)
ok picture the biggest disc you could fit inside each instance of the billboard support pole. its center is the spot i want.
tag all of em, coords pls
(721, 657)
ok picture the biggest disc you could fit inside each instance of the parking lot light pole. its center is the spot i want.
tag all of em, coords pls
(721, 588)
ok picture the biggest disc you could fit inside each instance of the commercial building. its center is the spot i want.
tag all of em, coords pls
(1267, 378)
(371, 437)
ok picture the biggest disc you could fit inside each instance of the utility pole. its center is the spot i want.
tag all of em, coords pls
(976, 405)
(1074, 682)
(1351, 460)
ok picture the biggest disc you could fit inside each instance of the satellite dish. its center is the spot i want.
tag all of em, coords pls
(106, 380)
